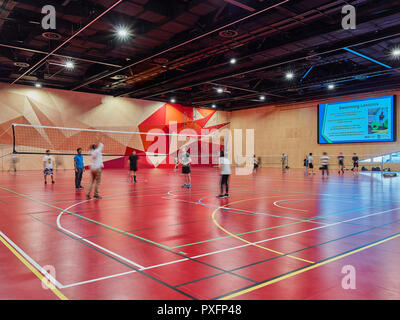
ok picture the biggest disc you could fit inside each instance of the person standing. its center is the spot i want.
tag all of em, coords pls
(283, 161)
(306, 164)
(48, 164)
(185, 161)
(355, 163)
(133, 159)
(255, 164)
(13, 163)
(95, 169)
(78, 166)
(325, 164)
(225, 171)
(341, 163)
(311, 164)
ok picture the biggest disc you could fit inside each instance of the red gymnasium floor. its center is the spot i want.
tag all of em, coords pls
(279, 236)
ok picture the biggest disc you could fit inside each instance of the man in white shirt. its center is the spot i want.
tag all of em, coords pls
(95, 169)
(225, 170)
(48, 164)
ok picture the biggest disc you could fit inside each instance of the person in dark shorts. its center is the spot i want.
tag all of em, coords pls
(341, 163)
(133, 159)
(255, 164)
(185, 161)
(355, 163)
(78, 166)
(48, 165)
(311, 164)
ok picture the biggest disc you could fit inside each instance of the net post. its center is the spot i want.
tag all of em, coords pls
(13, 133)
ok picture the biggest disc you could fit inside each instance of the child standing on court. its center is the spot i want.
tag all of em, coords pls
(48, 164)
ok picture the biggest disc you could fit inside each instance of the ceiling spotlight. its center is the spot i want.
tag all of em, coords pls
(123, 33)
(262, 98)
(289, 75)
(70, 65)
(396, 52)
(213, 106)
(173, 100)
(38, 85)
(233, 61)
(331, 86)
(220, 90)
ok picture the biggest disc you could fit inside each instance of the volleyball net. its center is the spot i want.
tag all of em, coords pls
(37, 139)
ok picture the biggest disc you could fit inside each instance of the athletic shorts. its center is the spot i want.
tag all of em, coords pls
(133, 168)
(341, 163)
(325, 167)
(48, 172)
(185, 169)
(311, 166)
(355, 165)
(255, 166)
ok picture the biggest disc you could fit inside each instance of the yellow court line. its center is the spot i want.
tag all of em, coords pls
(292, 274)
(33, 269)
(246, 241)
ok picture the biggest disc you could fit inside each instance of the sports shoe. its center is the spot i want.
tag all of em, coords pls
(184, 186)
(97, 197)
(226, 195)
(88, 196)
(221, 196)
(188, 186)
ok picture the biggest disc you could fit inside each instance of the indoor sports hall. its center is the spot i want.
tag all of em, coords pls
(199, 150)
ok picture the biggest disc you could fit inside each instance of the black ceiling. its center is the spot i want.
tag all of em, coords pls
(182, 49)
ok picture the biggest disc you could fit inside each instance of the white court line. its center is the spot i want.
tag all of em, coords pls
(180, 200)
(271, 215)
(33, 262)
(277, 205)
(90, 242)
(244, 245)
(99, 279)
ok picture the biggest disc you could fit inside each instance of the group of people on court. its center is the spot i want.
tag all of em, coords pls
(96, 154)
(309, 164)
(96, 166)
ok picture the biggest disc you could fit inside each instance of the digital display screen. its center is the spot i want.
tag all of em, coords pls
(366, 120)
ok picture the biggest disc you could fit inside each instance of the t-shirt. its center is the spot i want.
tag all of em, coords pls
(97, 158)
(225, 166)
(133, 158)
(355, 159)
(79, 161)
(49, 161)
(185, 159)
(310, 159)
(341, 159)
(325, 160)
